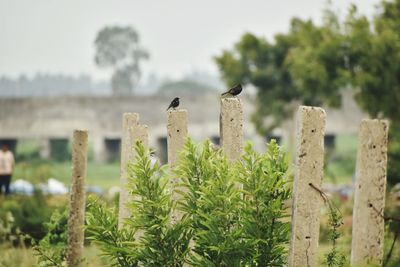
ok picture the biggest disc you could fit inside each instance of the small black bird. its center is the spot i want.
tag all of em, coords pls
(174, 104)
(234, 90)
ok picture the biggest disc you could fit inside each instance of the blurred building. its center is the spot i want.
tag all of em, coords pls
(51, 121)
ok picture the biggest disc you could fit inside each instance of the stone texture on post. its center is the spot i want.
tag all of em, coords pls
(369, 195)
(303, 250)
(177, 134)
(231, 127)
(99, 148)
(76, 219)
(131, 131)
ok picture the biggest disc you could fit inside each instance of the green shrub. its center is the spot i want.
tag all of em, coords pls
(13, 251)
(222, 224)
(393, 175)
(29, 213)
(51, 250)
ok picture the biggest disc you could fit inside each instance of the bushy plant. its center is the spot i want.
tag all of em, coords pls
(51, 250)
(148, 238)
(13, 251)
(211, 203)
(334, 258)
(231, 214)
(102, 230)
(266, 190)
(29, 213)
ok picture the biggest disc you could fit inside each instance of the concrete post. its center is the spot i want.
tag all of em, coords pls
(231, 127)
(76, 219)
(369, 196)
(44, 148)
(131, 131)
(99, 149)
(303, 250)
(177, 134)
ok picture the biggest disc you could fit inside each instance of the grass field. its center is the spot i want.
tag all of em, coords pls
(24, 257)
(103, 175)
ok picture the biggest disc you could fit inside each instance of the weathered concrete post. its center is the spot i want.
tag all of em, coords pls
(131, 131)
(303, 250)
(76, 219)
(231, 127)
(177, 134)
(369, 196)
(99, 149)
(44, 148)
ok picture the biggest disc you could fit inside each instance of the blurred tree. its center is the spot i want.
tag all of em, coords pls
(286, 73)
(373, 55)
(311, 65)
(118, 47)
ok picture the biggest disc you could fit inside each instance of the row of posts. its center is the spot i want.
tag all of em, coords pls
(369, 193)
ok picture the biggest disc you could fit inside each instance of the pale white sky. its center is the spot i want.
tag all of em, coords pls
(56, 36)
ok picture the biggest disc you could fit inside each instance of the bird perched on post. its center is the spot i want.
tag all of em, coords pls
(174, 103)
(237, 89)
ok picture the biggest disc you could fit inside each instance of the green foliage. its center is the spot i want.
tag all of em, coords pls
(13, 251)
(161, 244)
(392, 234)
(219, 227)
(266, 189)
(311, 64)
(6, 227)
(373, 54)
(148, 238)
(393, 175)
(334, 258)
(51, 250)
(286, 71)
(102, 229)
(212, 205)
(29, 213)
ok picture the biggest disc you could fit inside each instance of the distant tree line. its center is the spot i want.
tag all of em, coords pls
(51, 85)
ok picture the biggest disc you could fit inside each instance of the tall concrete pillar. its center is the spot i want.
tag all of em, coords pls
(177, 133)
(76, 220)
(231, 127)
(369, 195)
(99, 149)
(131, 132)
(306, 208)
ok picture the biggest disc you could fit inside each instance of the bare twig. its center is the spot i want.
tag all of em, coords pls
(389, 255)
(396, 234)
(386, 218)
(325, 198)
(322, 193)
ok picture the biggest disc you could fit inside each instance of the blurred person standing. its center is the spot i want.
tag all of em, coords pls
(6, 169)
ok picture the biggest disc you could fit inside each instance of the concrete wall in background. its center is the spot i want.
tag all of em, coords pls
(55, 118)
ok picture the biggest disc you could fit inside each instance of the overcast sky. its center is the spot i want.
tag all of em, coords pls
(56, 36)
